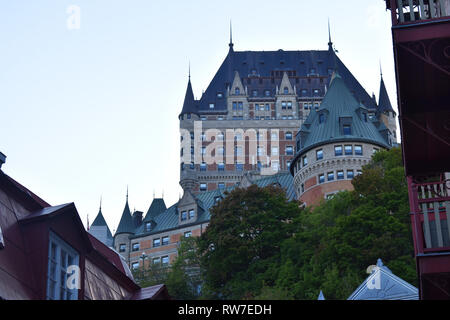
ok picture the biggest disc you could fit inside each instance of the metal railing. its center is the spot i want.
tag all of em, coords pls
(431, 215)
(404, 11)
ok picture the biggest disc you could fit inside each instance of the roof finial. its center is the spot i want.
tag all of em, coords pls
(381, 71)
(87, 218)
(162, 194)
(189, 70)
(231, 36)
(153, 193)
(330, 44)
(127, 193)
(100, 208)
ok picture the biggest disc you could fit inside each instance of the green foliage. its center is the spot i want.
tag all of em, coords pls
(242, 244)
(259, 245)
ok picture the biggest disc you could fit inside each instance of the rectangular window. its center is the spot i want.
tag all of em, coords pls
(221, 166)
(183, 215)
(211, 105)
(274, 151)
(330, 176)
(358, 150)
(347, 129)
(203, 187)
(203, 166)
(305, 161)
(260, 151)
(239, 166)
(321, 178)
(148, 226)
(165, 260)
(283, 105)
(234, 105)
(61, 256)
(340, 175)
(350, 174)
(348, 149)
(275, 166)
(338, 150)
(288, 135)
(221, 185)
(187, 234)
(156, 260)
(289, 150)
(165, 240)
(156, 242)
(289, 105)
(319, 154)
(122, 247)
(302, 187)
(191, 214)
(267, 107)
(135, 247)
(240, 106)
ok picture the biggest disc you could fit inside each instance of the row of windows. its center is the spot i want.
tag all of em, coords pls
(163, 261)
(330, 176)
(238, 136)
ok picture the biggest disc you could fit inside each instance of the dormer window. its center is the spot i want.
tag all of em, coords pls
(191, 214)
(321, 118)
(267, 93)
(188, 116)
(148, 226)
(286, 90)
(255, 93)
(183, 215)
(237, 90)
(347, 129)
(211, 105)
(219, 95)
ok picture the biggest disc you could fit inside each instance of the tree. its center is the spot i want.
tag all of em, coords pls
(242, 245)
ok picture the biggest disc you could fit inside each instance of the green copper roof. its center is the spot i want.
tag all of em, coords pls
(384, 104)
(168, 220)
(126, 224)
(339, 107)
(101, 222)
(158, 206)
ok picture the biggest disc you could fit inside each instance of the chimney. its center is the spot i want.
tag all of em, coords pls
(2, 159)
(137, 218)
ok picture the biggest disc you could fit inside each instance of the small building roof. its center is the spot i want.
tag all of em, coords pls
(382, 284)
(384, 104)
(157, 206)
(126, 224)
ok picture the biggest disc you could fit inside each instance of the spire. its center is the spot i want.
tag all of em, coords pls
(330, 44)
(384, 104)
(189, 101)
(87, 222)
(126, 224)
(157, 207)
(231, 37)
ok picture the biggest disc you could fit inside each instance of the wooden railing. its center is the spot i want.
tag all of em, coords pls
(405, 11)
(430, 205)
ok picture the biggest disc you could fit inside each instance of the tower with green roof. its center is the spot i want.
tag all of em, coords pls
(100, 229)
(333, 144)
(125, 229)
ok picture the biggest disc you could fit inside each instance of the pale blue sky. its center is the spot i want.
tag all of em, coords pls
(86, 112)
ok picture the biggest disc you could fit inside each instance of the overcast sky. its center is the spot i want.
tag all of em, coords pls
(86, 111)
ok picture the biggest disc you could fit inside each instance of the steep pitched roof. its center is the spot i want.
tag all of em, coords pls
(126, 224)
(384, 104)
(158, 206)
(168, 219)
(259, 67)
(189, 105)
(324, 125)
(100, 221)
(382, 284)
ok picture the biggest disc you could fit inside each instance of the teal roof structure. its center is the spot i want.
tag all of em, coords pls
(382, 284)
(339, 108)
(168, 219)
(384, 104)
(158, 206)
(100, 221)
(126, 224)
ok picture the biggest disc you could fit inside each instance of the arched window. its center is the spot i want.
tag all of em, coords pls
(286, 90)
(237, 91)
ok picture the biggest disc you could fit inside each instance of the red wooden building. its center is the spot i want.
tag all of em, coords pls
(421, 41)
(45, 253)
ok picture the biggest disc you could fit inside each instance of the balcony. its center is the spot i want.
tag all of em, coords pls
(414, 11)
(431, 216)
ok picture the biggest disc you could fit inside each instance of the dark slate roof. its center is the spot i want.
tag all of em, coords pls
(100, 221)
(189, 105)
(382, 284)
(384, 104)
(158, 206)
(339, 103)
(257, 67)
(126, 224)
(168, 220)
